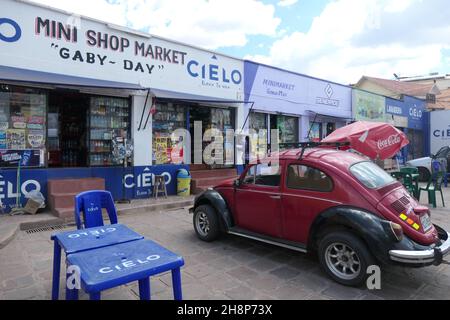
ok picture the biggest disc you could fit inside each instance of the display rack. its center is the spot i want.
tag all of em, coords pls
(106, 116)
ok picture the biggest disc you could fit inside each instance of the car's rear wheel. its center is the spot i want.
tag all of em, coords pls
(206, 223)
(345, 258)
(424, 174)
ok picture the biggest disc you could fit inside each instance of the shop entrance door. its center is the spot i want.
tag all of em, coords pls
(67, 130)
(211, 117)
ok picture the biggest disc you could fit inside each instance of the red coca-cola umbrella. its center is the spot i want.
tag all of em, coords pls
(373, 139)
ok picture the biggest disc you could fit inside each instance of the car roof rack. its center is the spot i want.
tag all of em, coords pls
(304, 145)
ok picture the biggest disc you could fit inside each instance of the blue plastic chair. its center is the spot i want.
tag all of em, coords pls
(90, 205)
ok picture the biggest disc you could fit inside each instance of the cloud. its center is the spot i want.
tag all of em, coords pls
(351, 38)
(286, 3)
(210, 24)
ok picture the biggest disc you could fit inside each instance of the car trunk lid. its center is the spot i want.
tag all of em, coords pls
(400, 207)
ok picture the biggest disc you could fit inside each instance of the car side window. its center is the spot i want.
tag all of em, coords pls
(263, 174)
(308, 178)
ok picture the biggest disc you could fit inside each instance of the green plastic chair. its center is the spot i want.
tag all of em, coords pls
(406, 180)
(414, 172)
(433, 185)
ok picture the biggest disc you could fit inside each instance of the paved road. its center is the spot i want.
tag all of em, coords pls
(231, 268)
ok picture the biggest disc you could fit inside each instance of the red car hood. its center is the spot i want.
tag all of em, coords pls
(399, 207)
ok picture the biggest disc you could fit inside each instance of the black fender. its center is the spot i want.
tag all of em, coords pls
(215, 199)
(374, 231)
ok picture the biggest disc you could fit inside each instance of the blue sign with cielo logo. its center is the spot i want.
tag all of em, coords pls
(416, 109)
(213, 72)
(17, 31)
(409, 107)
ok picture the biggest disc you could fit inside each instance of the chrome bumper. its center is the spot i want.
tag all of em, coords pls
(429, 256)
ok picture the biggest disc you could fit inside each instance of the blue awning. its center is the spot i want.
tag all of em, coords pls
(39, 77)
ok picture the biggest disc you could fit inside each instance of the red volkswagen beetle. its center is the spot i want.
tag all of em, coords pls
(336, 203)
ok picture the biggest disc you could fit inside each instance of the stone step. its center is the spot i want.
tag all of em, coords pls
(62, 200)
(213, 181)
(224, 173)
(67, 214)
(75, 185)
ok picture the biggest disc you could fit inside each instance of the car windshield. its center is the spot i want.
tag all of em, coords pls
(371, 175)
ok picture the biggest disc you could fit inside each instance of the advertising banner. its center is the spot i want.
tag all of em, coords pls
(439, 130)
(138, 181)
(45, 40)
(28, 158)
(416, 109)
(368, 106)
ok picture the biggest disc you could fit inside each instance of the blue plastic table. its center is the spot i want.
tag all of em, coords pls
(86, 239)
(119, 264)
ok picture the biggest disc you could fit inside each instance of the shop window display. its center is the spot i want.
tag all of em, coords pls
(22, 127)
(315, 134)
(109, 117)
(288, 128)
(221, 119)
(258, 124)
(167, 118)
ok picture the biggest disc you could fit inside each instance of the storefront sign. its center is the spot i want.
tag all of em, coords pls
(98, 50)
(328, 99)
(439, 130)
(406, 113)
(16, 34)
(276, 90)
(368, 106)
(416, 109)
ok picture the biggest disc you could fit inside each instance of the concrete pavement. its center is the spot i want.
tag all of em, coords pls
(230, 268)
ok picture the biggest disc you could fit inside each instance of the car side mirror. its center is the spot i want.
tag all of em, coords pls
(432, 156)
(237, 183)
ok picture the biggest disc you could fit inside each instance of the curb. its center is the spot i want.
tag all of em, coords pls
(7, 234)
(156, 207)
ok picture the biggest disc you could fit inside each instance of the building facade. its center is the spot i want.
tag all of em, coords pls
(407, 114)
(71, 86)
(302, 108)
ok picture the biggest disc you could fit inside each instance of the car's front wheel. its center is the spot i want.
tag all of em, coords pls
(206, 223)
(345, 258)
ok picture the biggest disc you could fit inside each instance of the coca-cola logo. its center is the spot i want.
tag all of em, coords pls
(391, 140)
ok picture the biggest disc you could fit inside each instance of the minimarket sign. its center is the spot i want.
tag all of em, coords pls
(36, 38)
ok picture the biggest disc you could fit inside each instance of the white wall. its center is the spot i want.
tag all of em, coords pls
(439, 130)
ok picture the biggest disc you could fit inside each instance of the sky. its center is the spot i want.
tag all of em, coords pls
(337, 40)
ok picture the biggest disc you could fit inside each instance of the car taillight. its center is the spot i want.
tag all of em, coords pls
(397, 230)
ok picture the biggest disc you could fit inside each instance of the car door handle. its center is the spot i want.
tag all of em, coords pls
(275, 197)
